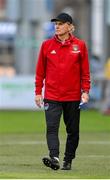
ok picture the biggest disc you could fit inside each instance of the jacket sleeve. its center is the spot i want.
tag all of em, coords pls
(85, 71)
(40, 71)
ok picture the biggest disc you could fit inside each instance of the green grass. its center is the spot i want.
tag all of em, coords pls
(23, 144)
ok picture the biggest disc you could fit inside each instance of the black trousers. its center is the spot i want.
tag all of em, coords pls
(71, 116)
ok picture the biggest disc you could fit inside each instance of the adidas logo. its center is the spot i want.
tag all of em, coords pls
(53, 52)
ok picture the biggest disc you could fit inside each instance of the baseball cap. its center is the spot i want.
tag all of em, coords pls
(63, 17)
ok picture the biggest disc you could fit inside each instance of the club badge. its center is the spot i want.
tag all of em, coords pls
(75, 47)
(46, 106)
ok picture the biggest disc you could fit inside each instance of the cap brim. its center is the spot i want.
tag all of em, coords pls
(56, 19)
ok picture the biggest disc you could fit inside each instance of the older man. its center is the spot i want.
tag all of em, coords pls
(63, 64)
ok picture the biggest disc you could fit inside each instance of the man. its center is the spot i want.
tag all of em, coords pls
(63, 64)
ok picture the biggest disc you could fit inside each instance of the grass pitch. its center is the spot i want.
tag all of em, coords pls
(23, 144)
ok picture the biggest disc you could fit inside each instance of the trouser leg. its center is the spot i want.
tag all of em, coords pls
(53, 115)
(71, 114)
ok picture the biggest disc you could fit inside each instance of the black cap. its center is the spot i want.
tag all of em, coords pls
(63, 17)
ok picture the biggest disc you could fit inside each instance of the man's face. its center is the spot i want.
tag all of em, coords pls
(62, 28)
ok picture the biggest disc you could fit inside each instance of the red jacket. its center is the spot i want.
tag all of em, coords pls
(65, 69)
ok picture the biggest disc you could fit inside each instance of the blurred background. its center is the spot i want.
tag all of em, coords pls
(24, 24)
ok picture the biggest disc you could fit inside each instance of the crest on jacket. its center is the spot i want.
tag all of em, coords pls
(75, 47)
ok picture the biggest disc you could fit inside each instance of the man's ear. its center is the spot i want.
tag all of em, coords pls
(72, 28)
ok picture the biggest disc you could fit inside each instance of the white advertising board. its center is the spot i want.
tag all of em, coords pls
(17, 92)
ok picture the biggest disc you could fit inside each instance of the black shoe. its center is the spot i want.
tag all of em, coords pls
(66, 166)
(52, 163)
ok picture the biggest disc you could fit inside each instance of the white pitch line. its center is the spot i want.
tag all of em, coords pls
(2, 143)
(93, 156)
(95, 142)
(22, 143)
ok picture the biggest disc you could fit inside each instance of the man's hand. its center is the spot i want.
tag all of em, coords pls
(85, 97)
(38, 100)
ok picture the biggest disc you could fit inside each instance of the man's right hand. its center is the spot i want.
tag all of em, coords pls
(38, 100)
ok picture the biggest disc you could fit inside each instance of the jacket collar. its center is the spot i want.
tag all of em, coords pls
(67, 42)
